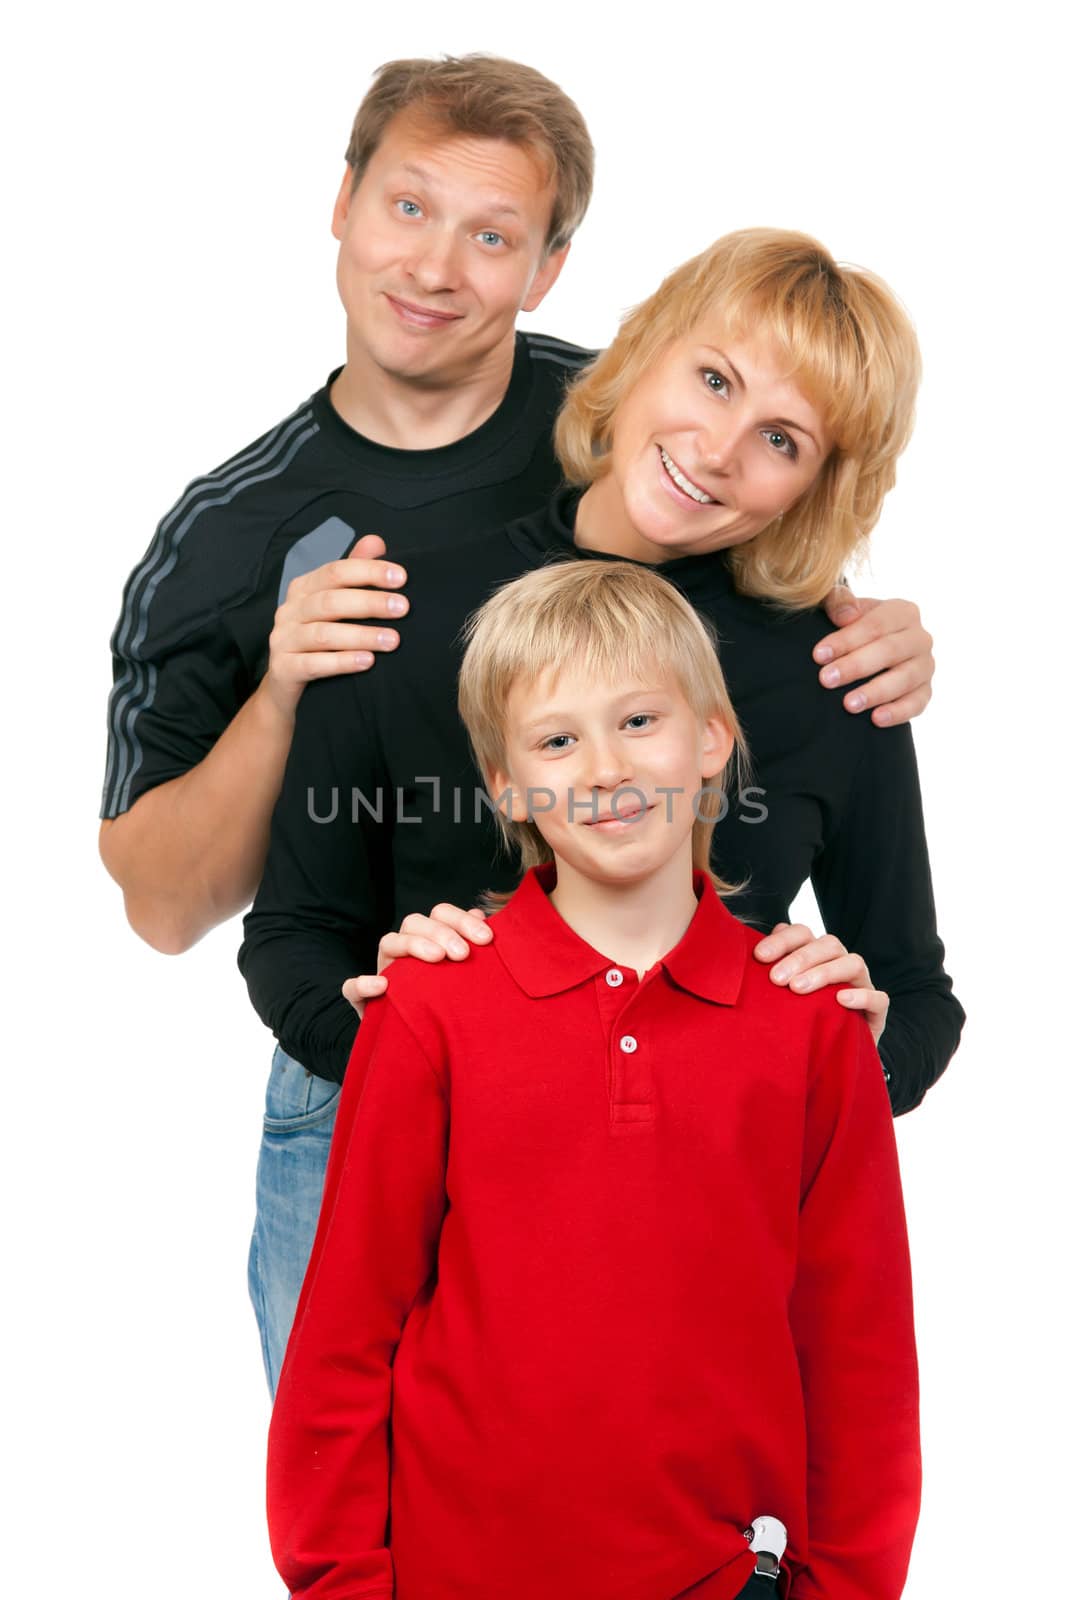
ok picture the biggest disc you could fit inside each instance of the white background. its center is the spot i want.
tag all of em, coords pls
(171, 174)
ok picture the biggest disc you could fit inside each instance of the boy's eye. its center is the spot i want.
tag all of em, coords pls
(488, 236)
(408, 208)
(555, 741)
(715, 380)
(645, 717)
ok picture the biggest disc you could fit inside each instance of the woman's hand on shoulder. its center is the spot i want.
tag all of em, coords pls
(806, 963)
(883, 640)
(444, 934)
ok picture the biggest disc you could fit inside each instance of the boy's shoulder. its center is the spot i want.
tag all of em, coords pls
(431, 995)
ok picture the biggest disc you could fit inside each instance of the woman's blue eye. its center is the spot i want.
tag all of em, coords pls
(715, 381)
(781, 442)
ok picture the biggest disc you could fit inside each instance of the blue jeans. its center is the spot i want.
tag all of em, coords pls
(297, 1129)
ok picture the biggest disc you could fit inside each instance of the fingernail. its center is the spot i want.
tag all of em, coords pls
(482, 934)
(455, 948)
(396, 605)
(831, 676)
(847, 614)
(825, 652)
(855, 702)
(363, 659)
(783, 974)
(388, 641)
(395, 575)
(803, 982)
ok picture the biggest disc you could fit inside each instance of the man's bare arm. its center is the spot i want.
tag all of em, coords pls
(189, 853)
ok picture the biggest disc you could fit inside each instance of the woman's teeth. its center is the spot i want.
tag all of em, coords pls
(683, 482)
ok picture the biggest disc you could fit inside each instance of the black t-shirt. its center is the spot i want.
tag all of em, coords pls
(379, 812)
(190, 644)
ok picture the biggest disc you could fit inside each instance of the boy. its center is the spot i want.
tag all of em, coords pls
(587, 1318)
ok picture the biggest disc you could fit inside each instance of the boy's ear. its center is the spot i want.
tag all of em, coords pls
(341, 205)
(499, 786)
(717, 746)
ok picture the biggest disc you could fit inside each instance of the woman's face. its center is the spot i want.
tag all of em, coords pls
(713, 441)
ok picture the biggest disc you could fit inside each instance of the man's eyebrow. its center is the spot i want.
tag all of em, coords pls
(738, 377)
(493, 208)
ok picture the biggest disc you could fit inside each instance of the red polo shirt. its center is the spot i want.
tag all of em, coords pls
(605, 1270)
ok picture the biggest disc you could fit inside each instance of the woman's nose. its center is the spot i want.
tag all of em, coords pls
(719, 445)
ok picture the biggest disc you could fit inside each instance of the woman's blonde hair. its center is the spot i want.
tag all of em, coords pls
(609, 619)
(848, 343)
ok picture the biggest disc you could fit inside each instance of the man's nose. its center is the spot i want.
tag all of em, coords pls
(434, 265)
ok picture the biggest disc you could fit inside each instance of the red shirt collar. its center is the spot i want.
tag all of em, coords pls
(545, 956)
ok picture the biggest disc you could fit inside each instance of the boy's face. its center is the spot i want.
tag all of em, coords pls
(610, 772)
(442, 244)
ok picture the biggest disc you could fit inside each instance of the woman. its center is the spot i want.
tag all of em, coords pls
(740, 433)
(752, 410)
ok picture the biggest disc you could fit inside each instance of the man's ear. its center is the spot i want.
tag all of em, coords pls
(341, 205)
(545, 277)
(500, 786)
(716, 748)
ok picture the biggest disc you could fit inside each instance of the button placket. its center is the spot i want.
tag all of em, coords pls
(631, 1074)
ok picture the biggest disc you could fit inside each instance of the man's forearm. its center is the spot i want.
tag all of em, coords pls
(189, 853)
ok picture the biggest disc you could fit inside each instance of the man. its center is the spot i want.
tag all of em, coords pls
(465, 181)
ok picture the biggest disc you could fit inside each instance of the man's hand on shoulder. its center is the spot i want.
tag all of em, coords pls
(317, 631)
(444, 934)
(882, 637)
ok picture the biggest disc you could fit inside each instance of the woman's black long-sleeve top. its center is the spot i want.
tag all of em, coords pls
(382, 811)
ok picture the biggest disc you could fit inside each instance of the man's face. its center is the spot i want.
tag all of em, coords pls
(442, 244)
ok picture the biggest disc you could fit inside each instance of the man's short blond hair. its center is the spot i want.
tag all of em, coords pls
(847, 342)
(610, 619)
(486, 97)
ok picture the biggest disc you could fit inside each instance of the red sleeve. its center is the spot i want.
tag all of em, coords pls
(376, 1247)
(852, 1323)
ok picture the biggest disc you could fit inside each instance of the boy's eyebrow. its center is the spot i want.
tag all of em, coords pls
(493, 207)
(565, 714)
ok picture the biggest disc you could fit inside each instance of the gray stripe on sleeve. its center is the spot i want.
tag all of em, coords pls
(135, 690)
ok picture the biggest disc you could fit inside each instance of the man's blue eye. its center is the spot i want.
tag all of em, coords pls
(409, 208)
(490, 237)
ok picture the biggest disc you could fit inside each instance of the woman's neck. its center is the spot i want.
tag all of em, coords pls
(602, 524)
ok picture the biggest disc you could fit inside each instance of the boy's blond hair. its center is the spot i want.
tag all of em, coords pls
(610, 619)
(848, 343)
(490, 98)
